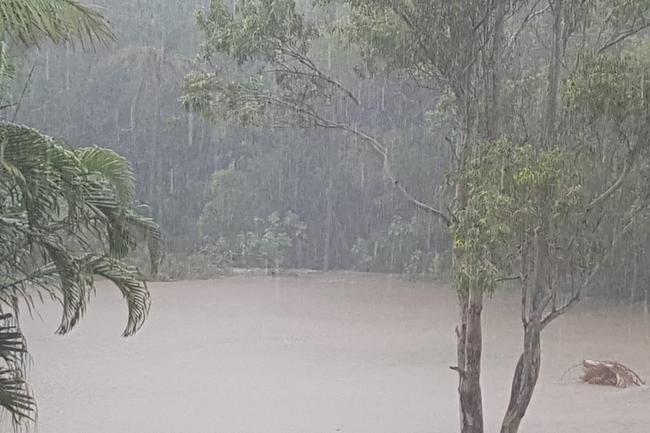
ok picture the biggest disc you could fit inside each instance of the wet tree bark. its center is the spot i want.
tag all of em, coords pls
(329, 204)
(533, 303)
(524, 380)
(550, 117)
(469, 347)
(635, 279)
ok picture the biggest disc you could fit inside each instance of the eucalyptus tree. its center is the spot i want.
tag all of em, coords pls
(66, 215)
(532, 198)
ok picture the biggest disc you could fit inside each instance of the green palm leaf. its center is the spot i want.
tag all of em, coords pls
(65, 215)
(31, 21)
(112, 167)
(65, 218)
(129, 282)
(6, 67)
(15, 396)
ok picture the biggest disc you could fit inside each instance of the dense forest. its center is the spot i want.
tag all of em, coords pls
(495, 143)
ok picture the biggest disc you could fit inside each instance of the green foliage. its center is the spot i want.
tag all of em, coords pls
(7, 68)
(32, 21)
(611, 88)
(65, 215)
(513, 190)
(268, 243)
(257, 30)
(266, 247)
(432, 42)
(276, 78)
(107, 164)
(213, 260)
(64, 219)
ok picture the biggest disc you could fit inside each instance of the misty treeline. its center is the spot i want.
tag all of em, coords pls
(216, 186)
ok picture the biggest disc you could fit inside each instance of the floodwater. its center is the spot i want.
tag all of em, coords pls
(318, 354)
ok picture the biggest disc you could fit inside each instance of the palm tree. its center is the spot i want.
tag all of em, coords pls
(66, 215)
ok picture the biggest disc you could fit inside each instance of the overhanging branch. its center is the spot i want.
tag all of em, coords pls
(375, 144)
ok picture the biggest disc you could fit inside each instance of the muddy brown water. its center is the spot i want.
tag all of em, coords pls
(318, 354)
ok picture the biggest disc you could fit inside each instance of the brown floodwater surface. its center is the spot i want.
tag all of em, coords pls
(316, 354)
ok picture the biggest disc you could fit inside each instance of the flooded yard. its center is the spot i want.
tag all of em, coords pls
(318, 354)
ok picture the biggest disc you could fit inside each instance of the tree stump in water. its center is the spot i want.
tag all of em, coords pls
(610, 373)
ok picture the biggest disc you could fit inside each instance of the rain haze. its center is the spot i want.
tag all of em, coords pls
(313, 216)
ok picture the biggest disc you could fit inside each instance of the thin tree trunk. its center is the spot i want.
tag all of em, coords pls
(550, 117)
(528, 365)
(469, 351)
(117, 126)
(493, 87)
(635, 279)
(68, 50)
(469, 334)
(328, 221)
(190, 127)
(524, 380)
(47, 65)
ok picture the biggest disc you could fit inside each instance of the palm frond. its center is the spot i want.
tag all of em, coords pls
(148, 230)
(7, 69)
(112, 167)
(74, 286)
(130, 283)
(15, 396)
(66, 216)
(31, 21)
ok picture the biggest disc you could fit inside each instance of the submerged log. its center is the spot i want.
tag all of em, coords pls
(610, 373)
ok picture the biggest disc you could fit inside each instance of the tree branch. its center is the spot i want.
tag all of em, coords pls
(555, 313)
(612, 189)
(316, 72)
(531, 15)
(621, 37)
(22, 94)
(458, 370)
(375, 145)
